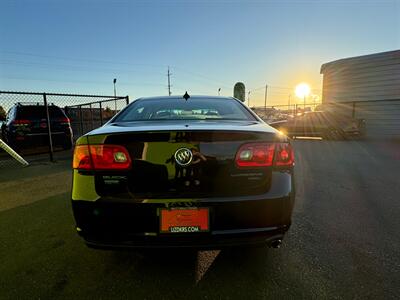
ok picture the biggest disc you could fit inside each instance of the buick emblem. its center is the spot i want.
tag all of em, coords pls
(183, 156)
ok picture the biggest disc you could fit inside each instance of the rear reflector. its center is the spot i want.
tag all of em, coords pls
(64, 121)
(265, 155)
(101, 157)
(21, 122)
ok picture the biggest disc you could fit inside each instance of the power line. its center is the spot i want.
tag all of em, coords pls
(68, 67)
(272, 86)
(75, 81)
(279, 88)
(79, 59)
(215, 81)
(256, 89)
(110, 62)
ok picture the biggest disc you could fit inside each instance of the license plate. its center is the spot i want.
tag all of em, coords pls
(184, 220)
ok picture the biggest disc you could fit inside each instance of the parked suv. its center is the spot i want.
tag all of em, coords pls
(26, 126)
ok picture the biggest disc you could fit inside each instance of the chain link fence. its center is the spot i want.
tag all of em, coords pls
(44, 126)
(382, 117)
(282, 112)
(88, 116)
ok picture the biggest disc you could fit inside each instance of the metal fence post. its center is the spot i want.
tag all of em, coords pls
(101, 114)
(91, 115)
(80, 119)
(48, 127)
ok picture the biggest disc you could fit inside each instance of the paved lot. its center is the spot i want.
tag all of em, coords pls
(344, 243)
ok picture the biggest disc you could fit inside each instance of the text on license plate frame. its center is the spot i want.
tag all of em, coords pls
(184, 220)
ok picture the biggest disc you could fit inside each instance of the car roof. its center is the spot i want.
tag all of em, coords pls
(34, 104)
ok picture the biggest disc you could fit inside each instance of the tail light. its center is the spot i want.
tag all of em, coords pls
(284, 155)
(265, 155)
(64, 121)
(101, 157)
(21, 122)
(255, 155)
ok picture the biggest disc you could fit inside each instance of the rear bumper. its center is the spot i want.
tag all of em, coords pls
(229, 226)
(213, 240)
(112, 223)
(40, 139)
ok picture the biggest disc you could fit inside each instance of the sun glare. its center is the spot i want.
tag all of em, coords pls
(302, 90)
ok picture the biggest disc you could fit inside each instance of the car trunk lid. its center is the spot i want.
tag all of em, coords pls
(156, 173)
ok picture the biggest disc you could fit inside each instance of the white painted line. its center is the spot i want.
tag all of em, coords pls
(14, 154)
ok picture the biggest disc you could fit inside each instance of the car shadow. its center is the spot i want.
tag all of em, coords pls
(161, 274)
(233, 273)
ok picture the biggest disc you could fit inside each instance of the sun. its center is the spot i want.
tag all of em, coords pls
(302, 90)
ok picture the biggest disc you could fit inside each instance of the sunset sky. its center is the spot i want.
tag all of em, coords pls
(80, 46)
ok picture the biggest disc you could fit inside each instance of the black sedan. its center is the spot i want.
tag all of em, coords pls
(202, 172)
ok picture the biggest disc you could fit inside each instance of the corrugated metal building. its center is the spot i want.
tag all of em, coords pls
(367, 87)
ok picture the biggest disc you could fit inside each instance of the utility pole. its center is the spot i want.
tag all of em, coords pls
(169, 82)
(248, 98)
(115, 96)
(265, 98)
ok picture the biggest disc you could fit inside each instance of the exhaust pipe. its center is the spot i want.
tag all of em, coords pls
(276, 244)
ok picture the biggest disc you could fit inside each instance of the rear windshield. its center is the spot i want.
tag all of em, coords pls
(179, 109)
(39, 112)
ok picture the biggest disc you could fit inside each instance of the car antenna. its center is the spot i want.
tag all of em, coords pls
(186, 96)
